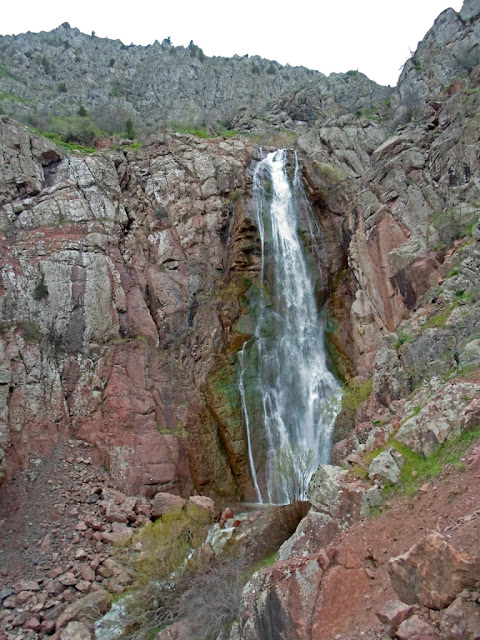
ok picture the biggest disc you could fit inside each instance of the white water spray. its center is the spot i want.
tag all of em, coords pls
(298, 396)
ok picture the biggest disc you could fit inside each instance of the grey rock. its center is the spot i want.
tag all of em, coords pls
(386, 467)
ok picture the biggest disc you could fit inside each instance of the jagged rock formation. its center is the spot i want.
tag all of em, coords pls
(56, 72)
(126, 282)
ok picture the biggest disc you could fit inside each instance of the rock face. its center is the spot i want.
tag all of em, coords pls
(161, 84)
(111, 318)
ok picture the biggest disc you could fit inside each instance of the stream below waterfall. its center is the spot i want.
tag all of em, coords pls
(292, 399)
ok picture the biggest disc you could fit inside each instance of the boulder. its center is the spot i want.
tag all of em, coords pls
(76, 631)
(392, 614)
(432, 573)
(461, 620)
(386, 467)
(329, 493)
(453, 408)
(166, 503)
(89, 607)
(200, 509)
(416, 629)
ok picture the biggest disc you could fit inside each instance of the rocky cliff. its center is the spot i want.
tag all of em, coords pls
(54, 74)
(127, 279)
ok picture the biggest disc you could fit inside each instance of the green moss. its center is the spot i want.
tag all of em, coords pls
(72, 147)
(354, 395)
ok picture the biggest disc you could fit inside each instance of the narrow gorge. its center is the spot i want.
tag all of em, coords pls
(284, 292)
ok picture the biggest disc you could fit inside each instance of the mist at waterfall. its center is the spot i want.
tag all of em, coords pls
(294, 399)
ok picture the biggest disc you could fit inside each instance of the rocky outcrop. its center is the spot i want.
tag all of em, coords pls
(112, 319)
(432, 573)
(304, 598)
(436, 576)
(164, 84)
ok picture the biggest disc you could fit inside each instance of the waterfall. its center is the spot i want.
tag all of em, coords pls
(294, 399)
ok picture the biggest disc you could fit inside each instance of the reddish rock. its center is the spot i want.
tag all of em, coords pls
(87, 573)
(432, 573)
(166, 503)
(393, 613)
(67, 579)
(90, 606)
(76, 631)
(55, 572)
(93, 522)
(83, 586)
(47, 627)
(27, 585)
(461, 620)
(115, 514)
(33, 624)
(23, 597)
(340, 601)
(416, 629)
(227, 514)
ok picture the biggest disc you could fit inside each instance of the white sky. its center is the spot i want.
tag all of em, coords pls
(373, 36)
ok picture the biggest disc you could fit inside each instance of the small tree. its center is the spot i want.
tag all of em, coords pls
(82, 112)
(130, 129)
(293, 469)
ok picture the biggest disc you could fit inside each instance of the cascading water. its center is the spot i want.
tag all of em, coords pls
(295, 396)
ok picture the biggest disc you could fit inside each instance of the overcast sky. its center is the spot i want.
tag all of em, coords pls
(373, 36)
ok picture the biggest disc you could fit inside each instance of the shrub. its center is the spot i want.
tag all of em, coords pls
(271, 69)
(402, 338)
(62, 87)
(40, 292)
(46, 65)
(130, 129)
(82, 112)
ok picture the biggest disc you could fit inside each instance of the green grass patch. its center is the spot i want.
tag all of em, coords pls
(402, 338)
(11, 97)
(354, 395)
(201, 132)
(438, 321)
(417, 470)
(71, 147)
